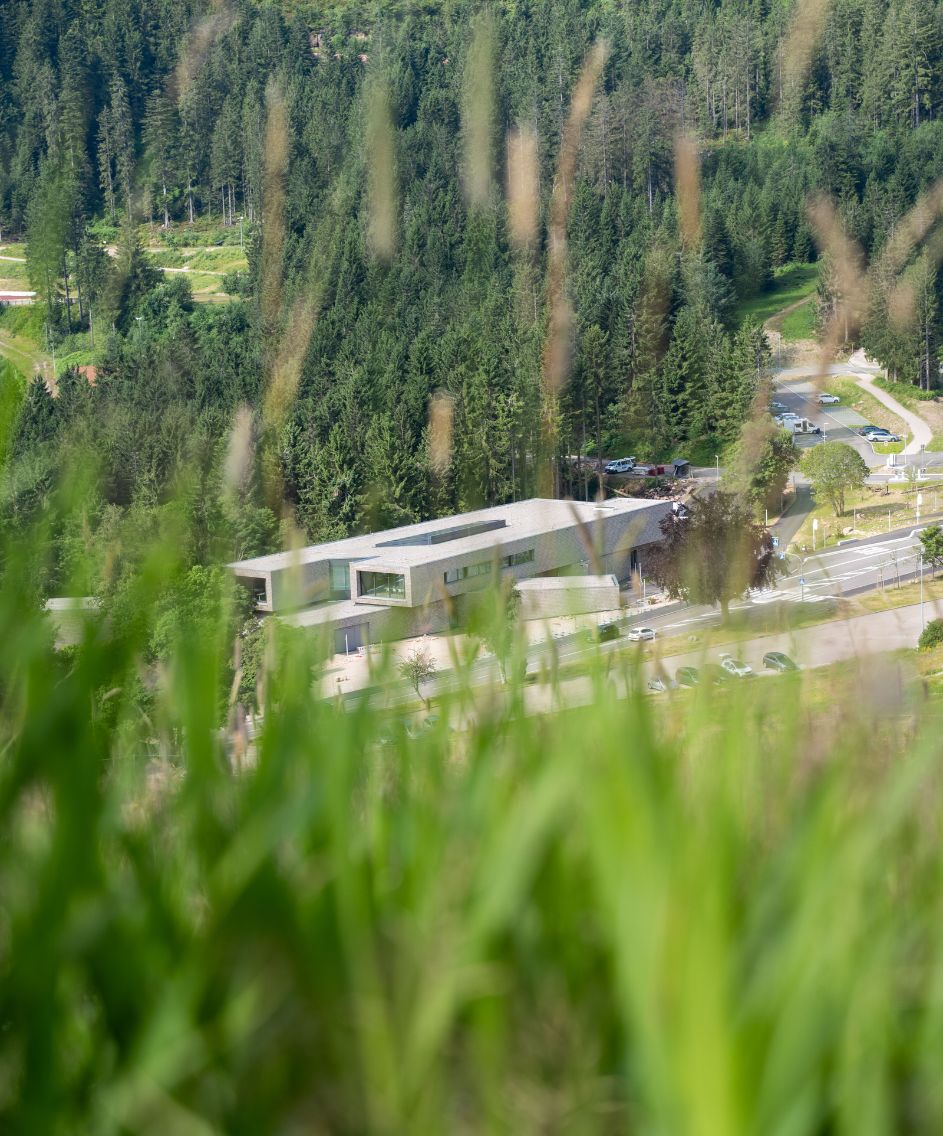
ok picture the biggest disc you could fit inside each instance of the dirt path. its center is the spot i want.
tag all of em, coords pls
(193, 271)
(26, 357)
(775, 321)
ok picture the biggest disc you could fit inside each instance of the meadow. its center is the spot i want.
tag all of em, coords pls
(713, 913)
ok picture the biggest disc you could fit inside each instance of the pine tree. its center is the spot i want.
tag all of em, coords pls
(161, 143)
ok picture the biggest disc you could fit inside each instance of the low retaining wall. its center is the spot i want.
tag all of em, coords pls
(549, 596)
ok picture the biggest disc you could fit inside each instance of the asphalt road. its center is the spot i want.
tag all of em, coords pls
(816, 646)
(838, 423)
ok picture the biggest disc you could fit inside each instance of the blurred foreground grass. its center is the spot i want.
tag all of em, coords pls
(717, 913)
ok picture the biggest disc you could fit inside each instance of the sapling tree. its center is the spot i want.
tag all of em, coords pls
(931, 544)
(499, 629)
(715, 554)
(418, 667)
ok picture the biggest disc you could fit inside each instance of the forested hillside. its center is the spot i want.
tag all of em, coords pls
(367, 152)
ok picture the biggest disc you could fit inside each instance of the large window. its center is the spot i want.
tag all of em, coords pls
(340, 580)
(383, 585)
(257, 588)
(517, 558)
(467, 572)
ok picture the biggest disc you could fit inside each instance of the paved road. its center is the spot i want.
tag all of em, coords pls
(854, 568)
(800, 393)
(821, 645)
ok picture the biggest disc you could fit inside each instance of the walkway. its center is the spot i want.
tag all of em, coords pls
(920, 431)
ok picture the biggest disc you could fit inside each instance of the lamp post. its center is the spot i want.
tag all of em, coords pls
(923, 622)
(717, 466)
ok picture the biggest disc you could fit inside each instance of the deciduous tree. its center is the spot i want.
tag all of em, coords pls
(714, 554)
(835, 469)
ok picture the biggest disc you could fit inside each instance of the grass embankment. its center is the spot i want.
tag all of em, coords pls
(927, 404)
(13, 274)
(21, 330)
(790, 285)
(870, 512)
(865, 404)
(206, 252)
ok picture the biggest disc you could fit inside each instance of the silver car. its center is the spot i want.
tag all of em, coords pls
(736, 667)
(642, 634)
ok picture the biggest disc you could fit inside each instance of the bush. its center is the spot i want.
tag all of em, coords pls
(931, 636)
(905, 391)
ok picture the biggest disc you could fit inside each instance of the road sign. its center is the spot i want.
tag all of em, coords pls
(775, 542)
(802, 580)
(815, 524)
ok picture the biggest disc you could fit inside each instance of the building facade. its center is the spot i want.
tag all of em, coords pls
(419, 578)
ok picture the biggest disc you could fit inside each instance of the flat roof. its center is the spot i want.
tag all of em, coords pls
(332, 612)
(390, 547)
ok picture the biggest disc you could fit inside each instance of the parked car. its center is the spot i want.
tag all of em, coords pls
(875, 432)
(607, 631)
(866, 429)
(642, 634)
(778, 408)
(736, 667)
(620, 465)
(828, 399)
(658, 684)
(777, 661)
(883, 436)
(687, 676)
(803, 426)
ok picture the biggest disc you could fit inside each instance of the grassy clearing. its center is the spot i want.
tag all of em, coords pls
(227, 259)
(887, 447)
(868, 513)
(891, 596)
(789, 285)
(205, 267)
(799, 324)
(19, 340)
(15, 275)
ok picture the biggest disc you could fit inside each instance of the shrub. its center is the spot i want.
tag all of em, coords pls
(932, 635)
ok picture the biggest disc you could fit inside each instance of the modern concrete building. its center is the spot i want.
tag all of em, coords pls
(419, 578)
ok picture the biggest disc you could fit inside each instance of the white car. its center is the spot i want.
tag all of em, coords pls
(642, 634)
(621, 465)
(828, 399)
(736, 667)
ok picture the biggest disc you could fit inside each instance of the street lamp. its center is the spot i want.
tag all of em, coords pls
(923, 622)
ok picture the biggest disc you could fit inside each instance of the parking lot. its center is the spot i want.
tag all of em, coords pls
(838, 423)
